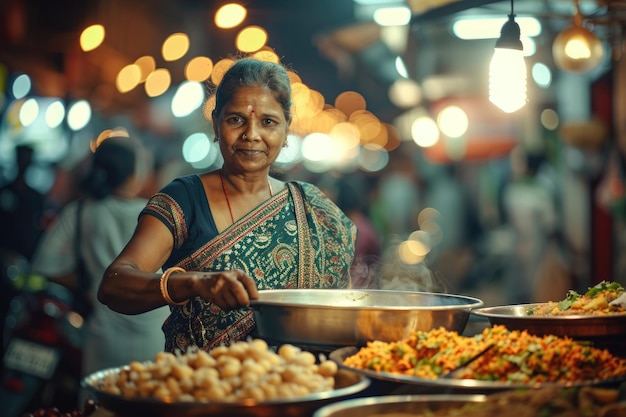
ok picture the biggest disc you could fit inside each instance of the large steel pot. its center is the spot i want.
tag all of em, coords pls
(399, 405)
(326, 319)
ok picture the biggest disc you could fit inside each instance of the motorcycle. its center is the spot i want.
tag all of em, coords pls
(42, 337)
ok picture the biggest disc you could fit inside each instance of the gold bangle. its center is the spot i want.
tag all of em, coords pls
(163, 283)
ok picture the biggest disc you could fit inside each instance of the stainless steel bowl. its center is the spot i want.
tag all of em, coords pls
(326, 319)
(395, 405)
(347, 385)
(605, 331)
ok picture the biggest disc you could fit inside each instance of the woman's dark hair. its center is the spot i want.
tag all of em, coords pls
(113, 163)
(249, 72)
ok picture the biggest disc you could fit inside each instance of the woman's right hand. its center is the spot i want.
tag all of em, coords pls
(228, 289)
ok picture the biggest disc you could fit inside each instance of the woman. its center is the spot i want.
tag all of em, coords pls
(107, 218)
(221, 236)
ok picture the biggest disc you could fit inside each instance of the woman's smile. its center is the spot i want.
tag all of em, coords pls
(250, 152)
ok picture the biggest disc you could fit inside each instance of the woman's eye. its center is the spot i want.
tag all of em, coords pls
(235, 119)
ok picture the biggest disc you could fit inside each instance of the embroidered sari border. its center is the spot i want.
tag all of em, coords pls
(169, 211)
(304, 241)
(231, 236)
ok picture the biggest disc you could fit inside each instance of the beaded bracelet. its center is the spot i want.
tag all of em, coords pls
(163, 283)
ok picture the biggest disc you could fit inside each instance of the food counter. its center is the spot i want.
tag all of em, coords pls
(435, 364)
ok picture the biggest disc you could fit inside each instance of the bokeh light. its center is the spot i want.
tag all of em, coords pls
(423, 240)
(92, 37)
(175, 46)
(373, 158)
(368, 125)
(55, 113)
(128, 78)
(28, 112)
(230, 15)
(146, 65)
(409, 252)
(382, 137)
(251, 39)
(424, 132)
(158, 82)
(21, 86)
(268, 55)
(549, 119)
(316, 147)
(196, 147)
(79, 115)
(349, 102)
(291, 154)
(188, 97)
(199, 69)
(405, 93)
(542, 75)
(453, 121)
(428, 221)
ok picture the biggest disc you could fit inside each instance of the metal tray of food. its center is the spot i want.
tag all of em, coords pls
(603, 331)
(347, 384)
(452, 385)
(516, 317)
(326, 319)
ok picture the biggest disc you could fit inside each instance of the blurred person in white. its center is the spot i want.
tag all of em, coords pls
(108, 215)
(529, 201)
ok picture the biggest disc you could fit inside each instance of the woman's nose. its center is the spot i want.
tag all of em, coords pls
(252, 132)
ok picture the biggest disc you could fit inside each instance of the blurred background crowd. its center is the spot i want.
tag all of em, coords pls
(495, 229)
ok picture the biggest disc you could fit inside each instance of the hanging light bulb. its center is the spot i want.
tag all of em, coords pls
(577, 49)
(507, 69)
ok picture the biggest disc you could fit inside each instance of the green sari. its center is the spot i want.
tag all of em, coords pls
(297, 239)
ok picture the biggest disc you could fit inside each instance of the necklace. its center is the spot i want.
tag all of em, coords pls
(230, 209)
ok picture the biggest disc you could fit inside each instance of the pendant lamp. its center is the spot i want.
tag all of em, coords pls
(507, 69)
(577, 49)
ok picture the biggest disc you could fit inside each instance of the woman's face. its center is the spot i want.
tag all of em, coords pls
(252, 129)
